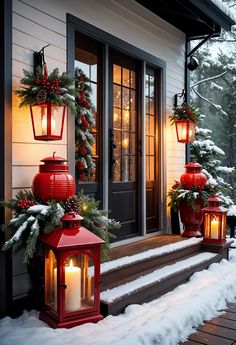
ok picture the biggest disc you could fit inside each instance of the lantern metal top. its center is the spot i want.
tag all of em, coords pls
(71, 235)
(214, 205)
(193, 166)
(71, 220)
(53, 163)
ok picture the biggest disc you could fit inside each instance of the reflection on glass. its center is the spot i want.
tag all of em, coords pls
(124, 124)
(51, 280)
(125, 77)
(150, 128)
(117, 96)
(116, 74)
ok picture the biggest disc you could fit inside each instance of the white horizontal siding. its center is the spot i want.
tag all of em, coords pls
(37, 23)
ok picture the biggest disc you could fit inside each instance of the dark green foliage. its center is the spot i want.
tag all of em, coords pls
(185, 112)
(55, 88)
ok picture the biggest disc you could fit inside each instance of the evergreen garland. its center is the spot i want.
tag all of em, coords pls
(32, 219)
(43, 87)
(84, 122)
(185, 112)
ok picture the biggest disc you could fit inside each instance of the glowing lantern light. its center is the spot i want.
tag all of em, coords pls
(72, 274)
(185, 130)
(214, 222)
(47, 121)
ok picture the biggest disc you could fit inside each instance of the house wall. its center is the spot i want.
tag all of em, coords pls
(38, 23)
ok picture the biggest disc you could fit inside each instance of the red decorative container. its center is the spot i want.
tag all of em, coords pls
(192, 218)
(193, 177)
(72, 274)
(53, 180)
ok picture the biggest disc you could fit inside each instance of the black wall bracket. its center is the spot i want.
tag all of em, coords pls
(39, 59)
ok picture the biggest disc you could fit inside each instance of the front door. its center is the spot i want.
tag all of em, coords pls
(123, 133)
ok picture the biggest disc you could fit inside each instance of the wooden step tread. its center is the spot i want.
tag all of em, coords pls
(121, 271)
(112, 294)
(153, 285)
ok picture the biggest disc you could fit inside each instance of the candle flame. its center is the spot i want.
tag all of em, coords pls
(71, 263)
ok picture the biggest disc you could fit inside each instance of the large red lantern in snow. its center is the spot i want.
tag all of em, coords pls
(53, 180)
(185, 130)
(214, 230)
(72, 274)
(193, 176)
(47, 121)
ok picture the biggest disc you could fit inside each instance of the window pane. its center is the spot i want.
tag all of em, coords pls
(125, 77)
(133, 81)
(125, 98)
(117, 118)
(116, 74)
(126, 119)
(117, 96)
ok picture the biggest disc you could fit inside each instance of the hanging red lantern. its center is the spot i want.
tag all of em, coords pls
(193, 176)
(214, 230)
(72, 274)
(53, 180)
(185, 130)
(47, 121)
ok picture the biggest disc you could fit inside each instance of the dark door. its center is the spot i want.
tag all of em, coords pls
(123, 131)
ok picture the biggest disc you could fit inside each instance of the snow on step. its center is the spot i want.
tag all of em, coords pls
(169, 248)
(111, 295)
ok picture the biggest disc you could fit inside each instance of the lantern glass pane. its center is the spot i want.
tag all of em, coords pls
(185, 130)
(79, 281)
(223, 226)
(47, 119)
(207, 219)
(51, 280)
(191, 131)
(181, 128)
(215, 226)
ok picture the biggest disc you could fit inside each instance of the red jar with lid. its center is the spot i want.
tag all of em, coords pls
(54, 180)
(193, 177)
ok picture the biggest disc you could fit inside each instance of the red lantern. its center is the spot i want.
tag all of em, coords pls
(214, 222)
(193, 177)
(72, 274)
(185, 130)
(47, 121)
(53, 180)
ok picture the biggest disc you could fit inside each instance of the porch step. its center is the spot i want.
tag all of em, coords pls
(120, 271)
(137, 282)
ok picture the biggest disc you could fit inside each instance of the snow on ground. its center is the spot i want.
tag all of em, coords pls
(164, 321)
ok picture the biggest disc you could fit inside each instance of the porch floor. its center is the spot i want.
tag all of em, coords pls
(143, 245)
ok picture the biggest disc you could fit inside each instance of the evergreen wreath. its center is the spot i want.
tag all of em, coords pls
(185, 112)
(84, 122)
(179, 194)
(43, 87)
(31, 218)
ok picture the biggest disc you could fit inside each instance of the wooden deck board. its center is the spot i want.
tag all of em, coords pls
(143, 245)
(218, 331)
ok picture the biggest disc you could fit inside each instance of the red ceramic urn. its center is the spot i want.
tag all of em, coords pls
(53, 180)
(193, 177)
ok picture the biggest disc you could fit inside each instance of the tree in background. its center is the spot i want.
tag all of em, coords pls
(214, 91)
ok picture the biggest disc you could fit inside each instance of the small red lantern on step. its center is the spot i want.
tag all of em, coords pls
(214, 222)
(72, 274)
(53, 180)
(47, 121)
(185, 130)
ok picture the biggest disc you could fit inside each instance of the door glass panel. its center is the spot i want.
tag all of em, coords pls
(124, 119)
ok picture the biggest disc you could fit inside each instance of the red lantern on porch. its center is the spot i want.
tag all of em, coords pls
(214, 231)
(72, 274)
(53, 180)
(185, 130)
(47, 121)
(193, 176)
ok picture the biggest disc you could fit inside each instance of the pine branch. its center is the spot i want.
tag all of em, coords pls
(217, 107)
(208, 79)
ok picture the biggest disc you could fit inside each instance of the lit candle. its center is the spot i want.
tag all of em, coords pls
(53, 125)
(183, 133)
(73, 287)
(89, 286)
(214, 228)
(44, 124)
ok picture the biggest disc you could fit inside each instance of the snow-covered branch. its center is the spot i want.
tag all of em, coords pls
(208, 79)
(216, 106)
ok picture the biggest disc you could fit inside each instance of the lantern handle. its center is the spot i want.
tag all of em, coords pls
(54, 154)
